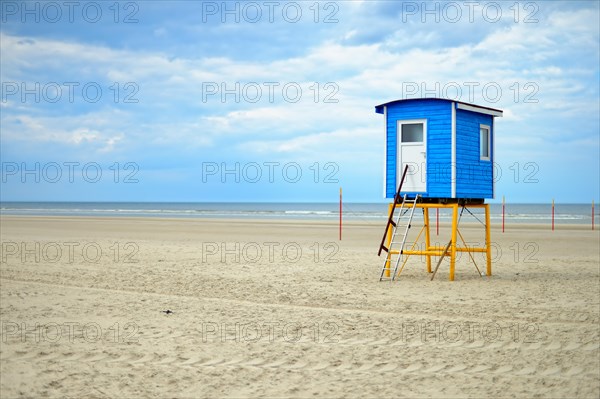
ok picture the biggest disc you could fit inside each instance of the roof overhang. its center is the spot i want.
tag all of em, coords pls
(478, 108)
(459, 105)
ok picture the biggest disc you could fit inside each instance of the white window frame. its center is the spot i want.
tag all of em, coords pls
(489, 143)
(401, 122)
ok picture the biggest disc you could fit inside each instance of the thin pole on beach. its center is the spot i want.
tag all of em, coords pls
(552, 214)
(592, 215)
(503, 213)
(340, 214)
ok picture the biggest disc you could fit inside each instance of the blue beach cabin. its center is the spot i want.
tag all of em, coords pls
(448, 146)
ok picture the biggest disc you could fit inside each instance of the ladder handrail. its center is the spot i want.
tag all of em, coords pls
(408, 225)
(391, 217)
(388, 259)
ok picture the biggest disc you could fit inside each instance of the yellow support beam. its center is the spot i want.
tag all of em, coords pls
(427, 253)
(427, 237)
(453, 241)
(461, 249)
(435, 250)
(448, 206)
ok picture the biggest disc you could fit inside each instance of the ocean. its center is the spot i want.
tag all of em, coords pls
(514, 213)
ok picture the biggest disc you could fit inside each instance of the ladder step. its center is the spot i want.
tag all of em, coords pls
(404, 230)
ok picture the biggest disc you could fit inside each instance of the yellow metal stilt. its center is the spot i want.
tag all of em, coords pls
(453, 241)
(451, 249)
(427, 238)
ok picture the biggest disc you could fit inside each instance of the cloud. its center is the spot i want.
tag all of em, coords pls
(359, 140)
(547, 73)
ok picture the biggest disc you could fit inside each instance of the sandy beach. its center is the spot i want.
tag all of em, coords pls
(141, 307)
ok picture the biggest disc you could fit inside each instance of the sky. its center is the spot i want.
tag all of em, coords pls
(273, 101)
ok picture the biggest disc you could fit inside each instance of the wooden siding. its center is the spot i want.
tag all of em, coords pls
(438, 116)
(473, 176)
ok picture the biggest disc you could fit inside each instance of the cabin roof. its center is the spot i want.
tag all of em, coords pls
(461, 105)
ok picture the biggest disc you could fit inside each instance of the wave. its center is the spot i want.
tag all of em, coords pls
(311, 213)
(525, 213)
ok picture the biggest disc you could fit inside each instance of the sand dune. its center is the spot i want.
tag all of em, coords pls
(283, 309)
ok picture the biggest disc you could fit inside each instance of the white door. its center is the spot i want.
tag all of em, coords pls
(412, 151)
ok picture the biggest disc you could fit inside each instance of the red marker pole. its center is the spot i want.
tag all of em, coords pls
(592, 215)
(503, 213)
(552, 214)
(340, 214)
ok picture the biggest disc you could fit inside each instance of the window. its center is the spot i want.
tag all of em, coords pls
(412, 132)
(484, 142)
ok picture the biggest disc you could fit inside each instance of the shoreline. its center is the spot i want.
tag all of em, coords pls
(299, 221)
